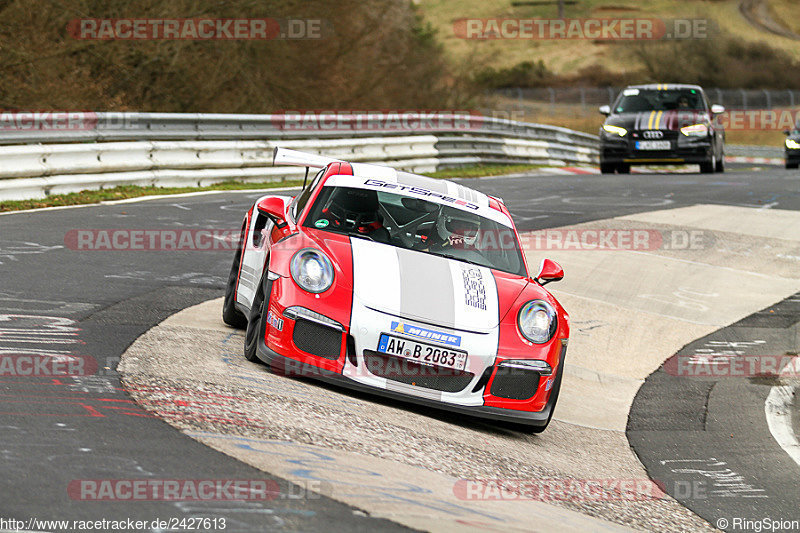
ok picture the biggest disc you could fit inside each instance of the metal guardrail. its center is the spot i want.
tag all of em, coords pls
(591, 97)
(168, 149)
(754, 151)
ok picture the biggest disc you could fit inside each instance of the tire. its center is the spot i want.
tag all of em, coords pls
(230, 315)
(624, 168)
(792, 165)
(607, 168)
(257, 322)
(709, 166)
(720, 168)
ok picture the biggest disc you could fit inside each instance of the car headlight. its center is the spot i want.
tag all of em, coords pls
(312, 270)
(695, 130)
(615, 130)
(792, 144)
(537, 321)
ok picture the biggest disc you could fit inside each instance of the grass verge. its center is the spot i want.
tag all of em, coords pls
(132, 191)
(480, 171)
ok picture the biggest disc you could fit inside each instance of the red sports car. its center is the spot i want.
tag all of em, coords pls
(400, 285)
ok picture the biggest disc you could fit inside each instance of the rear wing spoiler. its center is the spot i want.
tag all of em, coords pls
(286, 157)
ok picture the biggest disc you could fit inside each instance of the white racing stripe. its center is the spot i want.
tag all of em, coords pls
(376, 274)
(424, 287)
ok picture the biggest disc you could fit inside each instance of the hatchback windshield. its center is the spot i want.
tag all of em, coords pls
(636, 100)
(416, 224)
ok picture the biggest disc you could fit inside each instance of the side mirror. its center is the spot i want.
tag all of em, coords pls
(717, 109)
(274, 207)
(549, 271)
(787, 132)
(604, 110)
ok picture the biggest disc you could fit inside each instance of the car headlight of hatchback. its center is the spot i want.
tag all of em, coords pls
(615, 130)
(695, 130)
(537, 321)
(312, 270)
(792, 144)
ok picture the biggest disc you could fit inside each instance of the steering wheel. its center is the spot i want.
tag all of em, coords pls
(405, 233)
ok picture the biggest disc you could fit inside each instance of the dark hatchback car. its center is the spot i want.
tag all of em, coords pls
(792, 148)
(661, 124)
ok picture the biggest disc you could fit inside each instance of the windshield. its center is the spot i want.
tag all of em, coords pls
(416, 224)
(637, 100)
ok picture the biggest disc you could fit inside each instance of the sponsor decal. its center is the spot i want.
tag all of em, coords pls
(429, 334)
(421, 191)
(321, 223)
(548, 384)
(274, 321)
(474, 289)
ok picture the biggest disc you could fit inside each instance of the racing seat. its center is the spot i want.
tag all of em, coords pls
(356, 210)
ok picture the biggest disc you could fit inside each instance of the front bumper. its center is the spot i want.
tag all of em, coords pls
(287, 366)
(346, 354)
(684, 152)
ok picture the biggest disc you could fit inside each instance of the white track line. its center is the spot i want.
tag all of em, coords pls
(778, 409)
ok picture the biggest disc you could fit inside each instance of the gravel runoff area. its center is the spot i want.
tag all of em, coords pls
(190, 372)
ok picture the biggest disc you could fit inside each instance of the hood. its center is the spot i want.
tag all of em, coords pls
(658, 120)
(427, 288)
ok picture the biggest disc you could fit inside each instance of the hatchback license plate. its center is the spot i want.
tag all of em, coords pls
(653, 145)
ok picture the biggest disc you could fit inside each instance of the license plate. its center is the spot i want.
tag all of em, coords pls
(421, 352)
(653, 145)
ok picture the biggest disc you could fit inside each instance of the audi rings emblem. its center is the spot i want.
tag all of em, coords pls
(653, 134)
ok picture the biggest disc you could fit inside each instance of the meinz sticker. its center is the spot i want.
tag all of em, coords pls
(474, 289)
(422, 333)
(421, 191)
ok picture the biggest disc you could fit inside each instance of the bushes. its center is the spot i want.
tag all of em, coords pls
(723, 62)
(378, 55)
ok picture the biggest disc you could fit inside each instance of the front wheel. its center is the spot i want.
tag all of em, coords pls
(231, 315)
(607, 168)
(792, 165)
(721, 163)
(257, 323)
(708, 167)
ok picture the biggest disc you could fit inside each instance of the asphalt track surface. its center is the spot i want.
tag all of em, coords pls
(95, 304)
